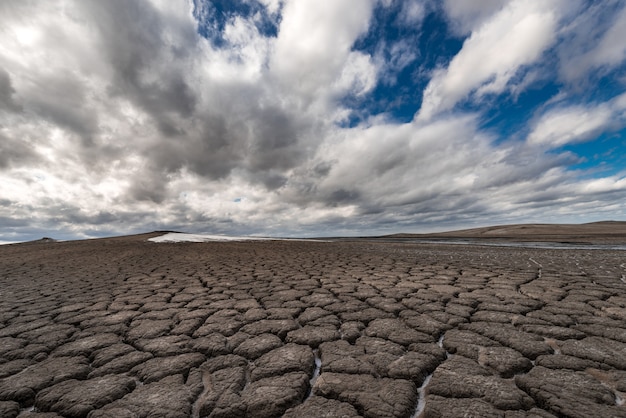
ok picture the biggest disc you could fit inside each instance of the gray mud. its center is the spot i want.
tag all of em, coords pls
(128, 328)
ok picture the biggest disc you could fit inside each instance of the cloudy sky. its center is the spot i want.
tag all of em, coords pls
(309, 117)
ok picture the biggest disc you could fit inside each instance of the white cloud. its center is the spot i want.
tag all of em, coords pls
(578, 123)
(245, 58)
(594, 41)
(273, 6)
(465, 16)
(611, 49)
(574, 124)
(391, 59)
(358, 76)
(444, 171)
(515, 36)
(603, 185)
(413, 12)
(409, 165)
(119, 118)
(314, 44)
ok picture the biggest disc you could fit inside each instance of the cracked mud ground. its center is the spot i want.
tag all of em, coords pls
(129, 328)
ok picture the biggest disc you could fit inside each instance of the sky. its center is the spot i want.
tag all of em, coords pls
(308, 117)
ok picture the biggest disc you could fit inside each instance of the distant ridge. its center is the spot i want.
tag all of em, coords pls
(594, 232)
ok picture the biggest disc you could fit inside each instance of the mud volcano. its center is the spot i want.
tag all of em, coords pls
(124, 327)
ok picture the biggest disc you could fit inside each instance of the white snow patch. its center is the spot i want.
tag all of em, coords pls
(182, 237)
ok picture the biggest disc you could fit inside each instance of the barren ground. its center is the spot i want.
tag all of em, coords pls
(124, 327)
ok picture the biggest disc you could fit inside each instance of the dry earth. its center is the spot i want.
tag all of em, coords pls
(129, 328)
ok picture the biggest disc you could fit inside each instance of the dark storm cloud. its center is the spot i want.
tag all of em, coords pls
(15, 152)
(151, 190)
(8, 222)
(99, 218)
(214, 147)
(61, 99)
(342, 196)
(527, 167)
(275, 144)
(134, 40)
(230, 131)
(262, 143)
(7, 101)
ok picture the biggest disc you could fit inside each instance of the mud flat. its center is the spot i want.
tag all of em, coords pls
(124, 327)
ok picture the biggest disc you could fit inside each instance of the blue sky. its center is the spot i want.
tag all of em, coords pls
(309, 118)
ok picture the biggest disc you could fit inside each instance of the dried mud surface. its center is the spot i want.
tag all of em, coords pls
(124, 327)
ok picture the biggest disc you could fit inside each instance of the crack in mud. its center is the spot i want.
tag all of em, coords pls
(421, 397)
(316, 372)
(208, 386)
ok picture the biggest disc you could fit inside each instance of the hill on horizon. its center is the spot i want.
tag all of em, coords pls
(603, 231)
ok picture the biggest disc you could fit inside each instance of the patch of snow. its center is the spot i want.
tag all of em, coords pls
(182, 237)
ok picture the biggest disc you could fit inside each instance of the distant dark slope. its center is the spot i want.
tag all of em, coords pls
(600, 232)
